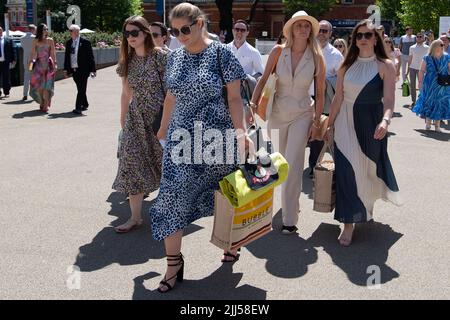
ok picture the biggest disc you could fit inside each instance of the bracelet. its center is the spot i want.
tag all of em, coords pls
(253, 105)
(314, 125)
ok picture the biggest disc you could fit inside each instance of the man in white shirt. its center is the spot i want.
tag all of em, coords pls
(416, 54)
(406, 42)
(27, 43)
(333, 60)
(249, 58)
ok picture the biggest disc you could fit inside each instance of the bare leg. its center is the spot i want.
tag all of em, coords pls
(173, 248)
(346, 236)
(437, 126)
(46, 99)
(136, 216)
(427, 124)
(42, 103)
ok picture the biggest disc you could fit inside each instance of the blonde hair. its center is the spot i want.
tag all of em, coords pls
(311, 42)
(189, 11)
(342, 42)
(433, 46)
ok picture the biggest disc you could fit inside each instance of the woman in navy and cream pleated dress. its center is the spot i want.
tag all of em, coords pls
(361, 113)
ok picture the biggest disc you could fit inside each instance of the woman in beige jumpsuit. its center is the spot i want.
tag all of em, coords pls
(295, 114)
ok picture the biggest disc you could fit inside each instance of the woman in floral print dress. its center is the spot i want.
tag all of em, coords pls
(142, 69)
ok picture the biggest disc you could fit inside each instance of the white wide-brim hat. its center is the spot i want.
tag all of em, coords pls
(301, 15)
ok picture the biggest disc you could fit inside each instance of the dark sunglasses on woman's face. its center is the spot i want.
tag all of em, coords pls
(338, 46)
(186, 30)
(366, 35)
(133, 33)
(387, 42)
(441, 45)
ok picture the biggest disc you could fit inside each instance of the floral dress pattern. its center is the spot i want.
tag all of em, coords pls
(187, 189)
(140, 152)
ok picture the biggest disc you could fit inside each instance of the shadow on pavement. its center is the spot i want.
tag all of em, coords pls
(18, 102)
(440, 136)
(135, 247)
(307, 186)
(29, 114)
(370, 247)
(287, 256)
(63, 115)
(222, 284)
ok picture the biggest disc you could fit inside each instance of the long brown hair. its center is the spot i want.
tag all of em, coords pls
(353, 51)
(126, 51)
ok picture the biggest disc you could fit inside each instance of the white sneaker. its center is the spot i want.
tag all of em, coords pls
(427, 126)
(437, 129)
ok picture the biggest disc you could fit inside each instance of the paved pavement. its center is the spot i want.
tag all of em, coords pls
(58, 210)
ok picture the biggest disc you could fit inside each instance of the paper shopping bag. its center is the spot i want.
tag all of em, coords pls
(236, 227)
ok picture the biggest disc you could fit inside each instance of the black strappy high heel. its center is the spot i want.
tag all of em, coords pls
(179, 262)
(234, 256)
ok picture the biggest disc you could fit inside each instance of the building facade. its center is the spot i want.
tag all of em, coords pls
(17, 13)
(267, 22)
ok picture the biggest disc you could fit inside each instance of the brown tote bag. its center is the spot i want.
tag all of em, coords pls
(324, 182)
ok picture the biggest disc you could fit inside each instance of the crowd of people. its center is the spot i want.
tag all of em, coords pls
(176, 77)
(184, 78)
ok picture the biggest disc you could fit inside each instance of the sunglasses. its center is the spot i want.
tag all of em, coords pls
(133, 33)
(186, 30)
(323, 30)
(388, 42)
(441, 45)
(338, 46)
(156, 35)
(240, 30)
(419, 36)
(366, 35)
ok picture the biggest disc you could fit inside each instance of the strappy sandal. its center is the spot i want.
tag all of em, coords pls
(235, 257)
(179, 275)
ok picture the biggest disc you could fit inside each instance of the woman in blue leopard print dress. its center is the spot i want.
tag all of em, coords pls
(194, 103)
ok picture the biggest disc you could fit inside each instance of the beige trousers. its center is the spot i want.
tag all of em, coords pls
(293, 133)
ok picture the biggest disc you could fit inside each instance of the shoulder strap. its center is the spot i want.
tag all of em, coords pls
(277, 56)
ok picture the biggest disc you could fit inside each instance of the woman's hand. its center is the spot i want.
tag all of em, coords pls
(314, 132)
(381, 130)
(162, 133)
(329, 136)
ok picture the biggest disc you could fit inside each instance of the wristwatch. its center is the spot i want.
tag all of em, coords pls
(387, 120)
(253, 105)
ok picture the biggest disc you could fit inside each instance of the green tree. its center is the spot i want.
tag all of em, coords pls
(95, 14)
(315, 8)
(423, 14)
(390, 10)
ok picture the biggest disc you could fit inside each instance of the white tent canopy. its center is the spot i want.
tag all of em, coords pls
(86, 31)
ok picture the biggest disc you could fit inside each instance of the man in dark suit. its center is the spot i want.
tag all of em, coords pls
(7, 58)
(79, 62)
